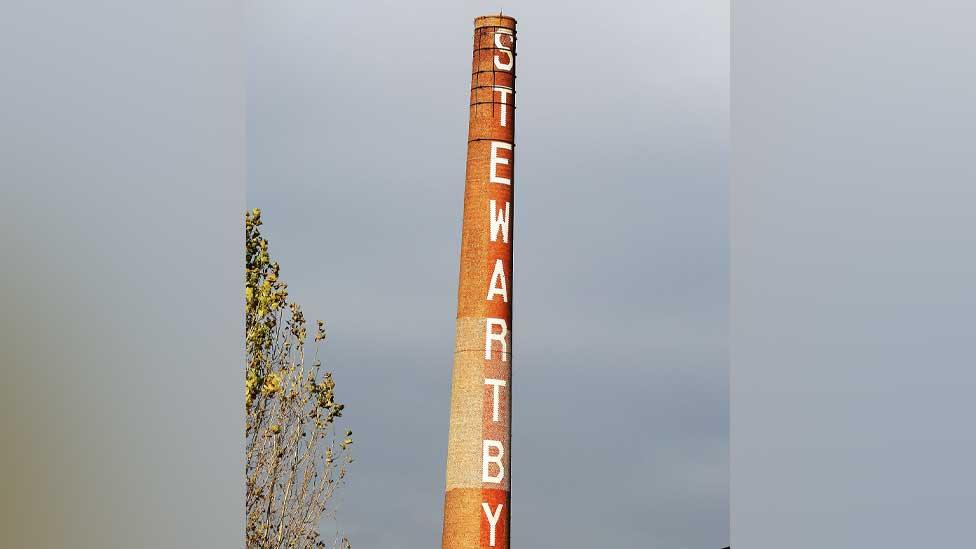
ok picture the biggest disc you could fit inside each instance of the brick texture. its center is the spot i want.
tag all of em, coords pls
(481, 408)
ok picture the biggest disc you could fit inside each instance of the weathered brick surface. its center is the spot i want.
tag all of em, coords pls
(476, 415)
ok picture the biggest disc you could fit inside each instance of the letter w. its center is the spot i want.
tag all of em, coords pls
(499, 221)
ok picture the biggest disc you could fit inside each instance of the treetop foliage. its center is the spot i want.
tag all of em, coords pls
(294, 459)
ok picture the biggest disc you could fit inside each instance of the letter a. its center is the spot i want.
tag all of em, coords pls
(498, 286)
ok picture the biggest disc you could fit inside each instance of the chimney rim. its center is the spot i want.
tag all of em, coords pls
(493, 16)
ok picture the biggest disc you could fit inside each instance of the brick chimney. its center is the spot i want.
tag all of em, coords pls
(477, 498)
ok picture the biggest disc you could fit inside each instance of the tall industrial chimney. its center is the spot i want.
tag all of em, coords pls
(477, 499)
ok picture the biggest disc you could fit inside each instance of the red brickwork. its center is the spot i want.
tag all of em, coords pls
(477, 498)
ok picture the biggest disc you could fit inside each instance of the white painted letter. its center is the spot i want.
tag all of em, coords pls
(496, 459)
(498, 276)
(496, 160)
(500, 337)
(507, 66)
(498, 220)
(492, 520)
(504, 91)
(495, 384)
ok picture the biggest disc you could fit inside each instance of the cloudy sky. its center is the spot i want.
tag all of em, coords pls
(357, 124)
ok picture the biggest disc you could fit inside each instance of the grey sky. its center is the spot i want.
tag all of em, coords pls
(357, 121)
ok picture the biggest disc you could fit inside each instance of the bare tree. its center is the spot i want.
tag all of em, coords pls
(295, 459)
